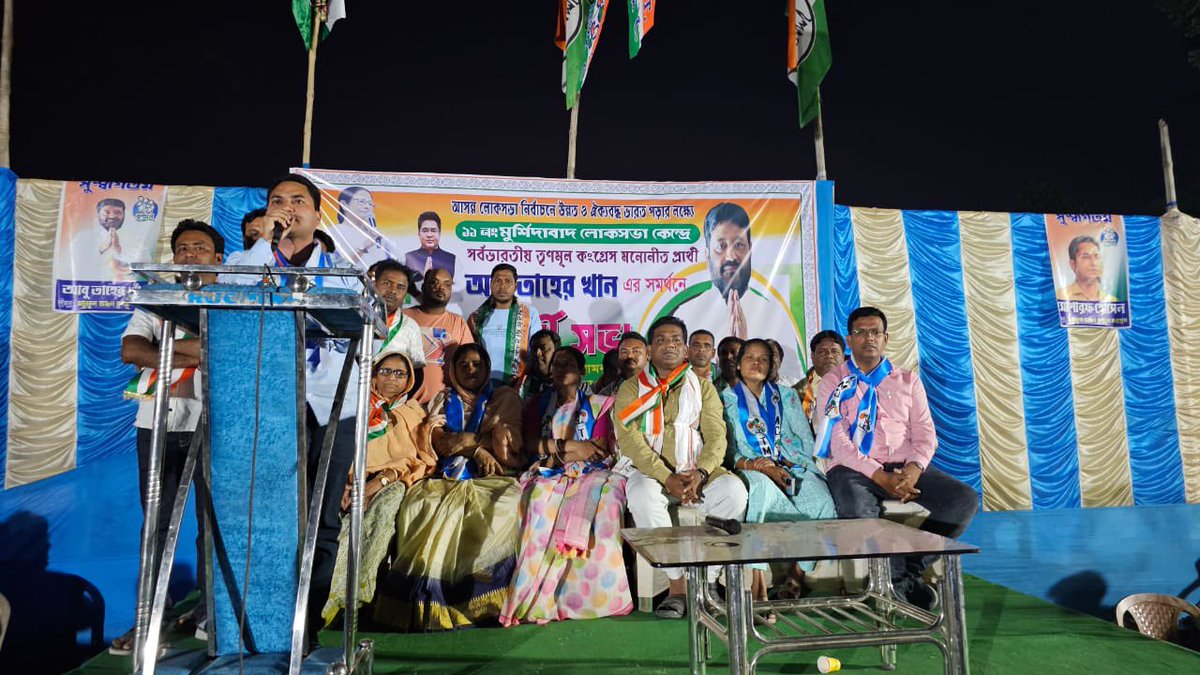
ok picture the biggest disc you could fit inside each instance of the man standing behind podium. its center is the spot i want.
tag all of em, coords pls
(294, 206)
(193, 243)
(875, 428)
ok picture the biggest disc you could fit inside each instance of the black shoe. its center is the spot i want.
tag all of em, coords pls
(918, 594)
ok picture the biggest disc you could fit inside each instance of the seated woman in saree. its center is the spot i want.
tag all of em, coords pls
(399, 453)
(570, 564)
(457, 533)
(772, 449)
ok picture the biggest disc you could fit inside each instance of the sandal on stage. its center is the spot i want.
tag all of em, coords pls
(673, 607)
(123, 646)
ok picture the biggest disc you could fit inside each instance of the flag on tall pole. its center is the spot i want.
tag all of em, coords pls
(578, 33)
(303, 11)
(579, 26)
(314, 18)
(641, 20)
(808, 53)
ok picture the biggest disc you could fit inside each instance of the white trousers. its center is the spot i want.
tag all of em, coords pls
(724, 497)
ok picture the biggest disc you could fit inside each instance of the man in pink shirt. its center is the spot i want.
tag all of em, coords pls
(874, 427)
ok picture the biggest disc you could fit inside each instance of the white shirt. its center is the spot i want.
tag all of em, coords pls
(320, 380)
(86, 262)
(407, 341)
(495, 337)
(183, 406)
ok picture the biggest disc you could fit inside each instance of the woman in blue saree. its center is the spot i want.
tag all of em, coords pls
(772, 449)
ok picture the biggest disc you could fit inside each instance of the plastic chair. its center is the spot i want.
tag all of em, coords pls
(1156, 615)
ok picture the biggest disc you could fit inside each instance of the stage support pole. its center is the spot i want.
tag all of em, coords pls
(572, 136)
(320, 9)
(1164, 140)
(819, 142)
(6, 83)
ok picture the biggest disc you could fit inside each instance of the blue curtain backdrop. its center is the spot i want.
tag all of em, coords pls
(944, 347)
(8, 203)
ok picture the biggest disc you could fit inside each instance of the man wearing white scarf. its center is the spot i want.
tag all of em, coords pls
(670, 425)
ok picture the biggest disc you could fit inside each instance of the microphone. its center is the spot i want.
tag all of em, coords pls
(726, 525)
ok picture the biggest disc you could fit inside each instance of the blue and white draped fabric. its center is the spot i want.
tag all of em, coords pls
(458, 421)
(323, 261)
(761, 422)
(582, 422)
(864, 421)
(457, 467)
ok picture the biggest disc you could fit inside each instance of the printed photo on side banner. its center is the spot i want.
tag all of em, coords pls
(103, 226)
(1091, 269)
(596, 259)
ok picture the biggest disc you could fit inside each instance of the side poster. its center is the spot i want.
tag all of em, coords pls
(103, 226)
(597, 259)
(1091, 269)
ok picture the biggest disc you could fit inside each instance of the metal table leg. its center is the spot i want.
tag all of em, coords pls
(738, 604)
(880, 581)
(956, 617)
(696, 630)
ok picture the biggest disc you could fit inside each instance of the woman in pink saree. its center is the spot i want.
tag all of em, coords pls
(569, 565)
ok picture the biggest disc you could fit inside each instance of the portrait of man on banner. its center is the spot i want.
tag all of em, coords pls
(103, 227)
(731, 301)
(1091, 269)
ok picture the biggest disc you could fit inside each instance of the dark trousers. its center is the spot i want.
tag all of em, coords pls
(330, 523)
(951, 503)
(174, 455)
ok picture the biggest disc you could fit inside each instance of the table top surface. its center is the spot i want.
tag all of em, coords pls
(781, 542)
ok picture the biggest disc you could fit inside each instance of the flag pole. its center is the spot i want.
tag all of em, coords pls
(1164, 141)
(819, 141)
(319, 10)
(572, 136)
(6, 83)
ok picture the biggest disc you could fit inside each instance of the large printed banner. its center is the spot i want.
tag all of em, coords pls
(1091, 269)
(597, 259)
(103, 226)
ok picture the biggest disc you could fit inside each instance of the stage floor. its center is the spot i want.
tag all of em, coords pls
(1008, 632)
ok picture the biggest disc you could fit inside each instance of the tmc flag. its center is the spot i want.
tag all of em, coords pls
(303, 9)
(808, 53)
(641, 20)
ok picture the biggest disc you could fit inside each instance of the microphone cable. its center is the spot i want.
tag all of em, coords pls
(262, 313)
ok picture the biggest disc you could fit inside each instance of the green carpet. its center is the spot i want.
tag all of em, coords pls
(1007, 633)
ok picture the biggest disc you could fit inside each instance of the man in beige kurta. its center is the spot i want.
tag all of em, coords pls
(676, 459)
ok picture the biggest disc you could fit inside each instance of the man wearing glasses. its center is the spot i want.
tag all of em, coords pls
(875, 431)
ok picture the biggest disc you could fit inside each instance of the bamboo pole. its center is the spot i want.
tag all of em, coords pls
(572, 137)
(1164, 140)
(819, 142)
(6, 83)
(320, 9)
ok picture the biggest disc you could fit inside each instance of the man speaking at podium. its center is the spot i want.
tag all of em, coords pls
(294, 209)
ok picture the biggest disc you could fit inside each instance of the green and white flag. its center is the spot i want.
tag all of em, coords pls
(808, 53)
(579, 26)
(303, 11)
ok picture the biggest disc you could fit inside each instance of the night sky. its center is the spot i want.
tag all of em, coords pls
(941, 105)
